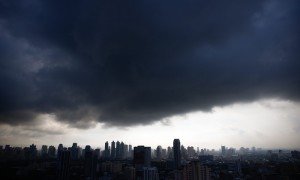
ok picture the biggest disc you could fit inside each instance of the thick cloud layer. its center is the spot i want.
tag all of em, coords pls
(125, 63)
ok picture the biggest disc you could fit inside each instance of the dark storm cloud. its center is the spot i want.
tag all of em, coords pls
(128, 63)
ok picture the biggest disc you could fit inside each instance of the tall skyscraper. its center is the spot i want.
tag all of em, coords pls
(125, 151)
(223, 149)
(64, 165)
(51, 151)
(118, 150)
(141, 159)
(74, 152)
(176, 153)
(130, 151)
(158, 152)
(122, 147)
(60, 148)
(106, 151)
(113, 150)
(44, 151)
(33, 151)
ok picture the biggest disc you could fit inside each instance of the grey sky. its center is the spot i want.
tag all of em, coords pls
(129, 64)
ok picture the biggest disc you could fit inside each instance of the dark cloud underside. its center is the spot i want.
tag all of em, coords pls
(126, 63)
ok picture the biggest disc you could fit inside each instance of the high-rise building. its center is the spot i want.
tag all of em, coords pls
(113, 150)
(223, 149)
(60, 148)
(44, 151)
(176, 153)
(130, 152)
(74, 152)
(33, 151)
(97, 152)
(122, 151)
(106, 151)
(64, 165)
(159, 152)
(170, 152)
(164, 153)
(51, 151)
(125, 151)
(87, 148)
(118, 150)
(90, 164)
(142, 157)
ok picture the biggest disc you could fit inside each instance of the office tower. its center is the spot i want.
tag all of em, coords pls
(163, 153)
(122, 155)
(170, 152)
(106, 151)
(142, 157)
(60, 148)
(87, 148)
(125, 151)
(90, 164)
(118, 150)
(44, 151)
(190, 151)
(51, 151)
(130, 151)
(113, 150)
(223, 150)
(97, 152)
(159, 152)
(176, 153)
(64, 165)
(88, 159)
(183, 152)
(33, 151)
(74, 151)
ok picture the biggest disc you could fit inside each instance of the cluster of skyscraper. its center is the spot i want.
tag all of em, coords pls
(118, 160)
(117, 150)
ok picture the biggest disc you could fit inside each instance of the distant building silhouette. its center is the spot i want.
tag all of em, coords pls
(60, 148)
(122, 150)
(113, 150)
(159, 153)
(64, 165)
(223, 150)
(51, 151)
(74, 152)
(177, 153)
(106, 151)
(141, 159)
(118, 150)
(130, 152)
(33, 151)
(44, 151)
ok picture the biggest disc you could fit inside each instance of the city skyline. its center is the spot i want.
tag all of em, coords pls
(142, 162)
(208, 73)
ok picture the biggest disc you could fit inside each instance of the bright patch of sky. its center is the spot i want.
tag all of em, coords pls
(267, 123)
